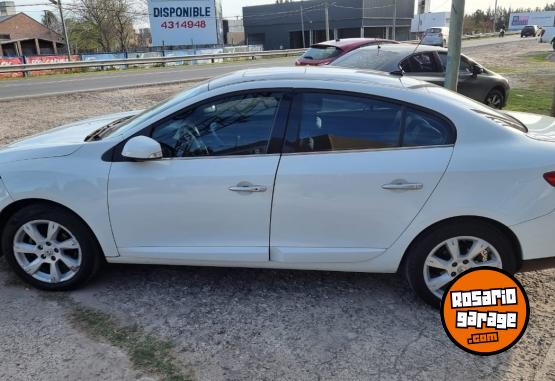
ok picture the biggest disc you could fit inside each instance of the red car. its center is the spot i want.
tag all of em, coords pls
(326, 52)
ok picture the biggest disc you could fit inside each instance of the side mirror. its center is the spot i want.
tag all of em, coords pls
(142, 148)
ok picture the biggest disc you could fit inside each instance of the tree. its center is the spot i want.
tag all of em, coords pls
(109, 21)
(123, 24)
(50, 20)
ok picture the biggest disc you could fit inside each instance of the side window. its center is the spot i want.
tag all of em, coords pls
(420, 63)
(465, 66)
(423, 129)
(239, 125)
(333, 122)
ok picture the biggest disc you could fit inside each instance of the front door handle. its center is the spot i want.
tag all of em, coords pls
(248, 188)
(403, 186)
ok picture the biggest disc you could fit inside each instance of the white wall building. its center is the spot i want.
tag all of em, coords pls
(423, 21)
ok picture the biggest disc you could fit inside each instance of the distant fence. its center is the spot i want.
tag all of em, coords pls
(18, 66)
(99, 61)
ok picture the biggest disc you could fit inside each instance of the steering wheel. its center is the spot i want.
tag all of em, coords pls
(187, 142)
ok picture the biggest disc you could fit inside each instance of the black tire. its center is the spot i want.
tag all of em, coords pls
(495, 99)
(553, 44)
(91, 256)
(418, 252)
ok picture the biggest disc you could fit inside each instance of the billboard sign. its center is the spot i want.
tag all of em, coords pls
(184, 22)
(520, 20)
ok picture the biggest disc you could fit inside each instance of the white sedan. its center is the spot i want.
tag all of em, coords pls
(290, 168)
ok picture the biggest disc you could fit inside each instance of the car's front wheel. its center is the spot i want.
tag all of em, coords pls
(50, 247)
(442, 253)
(495, 99)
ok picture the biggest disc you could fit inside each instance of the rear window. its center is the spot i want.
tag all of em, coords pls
(370, 59)
(434, 30)
(321, 52)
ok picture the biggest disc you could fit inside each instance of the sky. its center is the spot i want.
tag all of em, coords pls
(232, 8)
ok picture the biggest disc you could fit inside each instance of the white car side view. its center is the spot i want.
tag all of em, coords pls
(289, 168)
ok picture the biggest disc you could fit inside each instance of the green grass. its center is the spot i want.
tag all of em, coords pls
(147, 353)
(537, 101)
(540, 58)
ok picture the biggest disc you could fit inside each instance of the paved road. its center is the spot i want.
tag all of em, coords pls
(11, 89)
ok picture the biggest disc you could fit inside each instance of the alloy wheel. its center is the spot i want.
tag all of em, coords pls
(495, 100)
(47, 251)
(453, 257)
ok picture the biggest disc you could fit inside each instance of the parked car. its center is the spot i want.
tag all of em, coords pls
(548, 36)
(357, 172)
(428, 63)
(529, 31)
(436, 36)
(326, 52)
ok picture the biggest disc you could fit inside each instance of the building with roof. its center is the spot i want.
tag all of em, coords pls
(280, 26)
(22, 35)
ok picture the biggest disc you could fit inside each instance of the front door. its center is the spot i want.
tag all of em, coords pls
(354, 174)
(209, 198)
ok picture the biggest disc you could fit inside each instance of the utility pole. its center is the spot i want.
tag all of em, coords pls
(327, 22)
(302, 23)
(393, 35)
(59, 4)
(495, 16)
(454, 53)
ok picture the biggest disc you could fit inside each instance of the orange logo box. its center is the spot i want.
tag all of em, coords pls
(485, 311)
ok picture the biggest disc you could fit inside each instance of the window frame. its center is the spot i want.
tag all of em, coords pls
(295, 114)
(435, 59)
(275, 138)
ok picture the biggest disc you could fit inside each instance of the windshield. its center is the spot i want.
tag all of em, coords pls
(125, 124)
(373, 58)
(321, 52)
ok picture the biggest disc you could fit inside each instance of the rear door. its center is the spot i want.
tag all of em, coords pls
(354, 173)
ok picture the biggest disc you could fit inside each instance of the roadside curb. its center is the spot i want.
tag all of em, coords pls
(102, 89)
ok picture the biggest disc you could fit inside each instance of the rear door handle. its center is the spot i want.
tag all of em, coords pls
(403, 186)
(248, 188)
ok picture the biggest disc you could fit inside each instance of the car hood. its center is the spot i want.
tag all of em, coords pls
(541, 127)
(60, 141)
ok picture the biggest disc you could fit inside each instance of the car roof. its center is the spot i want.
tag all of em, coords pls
(349, 42)
(329, 74)
(404, 48)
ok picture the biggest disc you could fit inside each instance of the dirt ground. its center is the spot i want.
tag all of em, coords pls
(245, 324)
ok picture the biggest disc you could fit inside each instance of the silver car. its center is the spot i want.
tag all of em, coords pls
(437, 36)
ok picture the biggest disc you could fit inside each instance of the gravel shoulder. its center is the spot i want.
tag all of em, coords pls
(244, 324)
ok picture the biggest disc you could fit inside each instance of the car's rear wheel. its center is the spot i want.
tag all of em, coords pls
(50, 248)
(444, 252)
(495, 99)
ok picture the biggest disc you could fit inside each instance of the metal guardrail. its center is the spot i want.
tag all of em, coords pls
(161, 60)
(146, 61)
